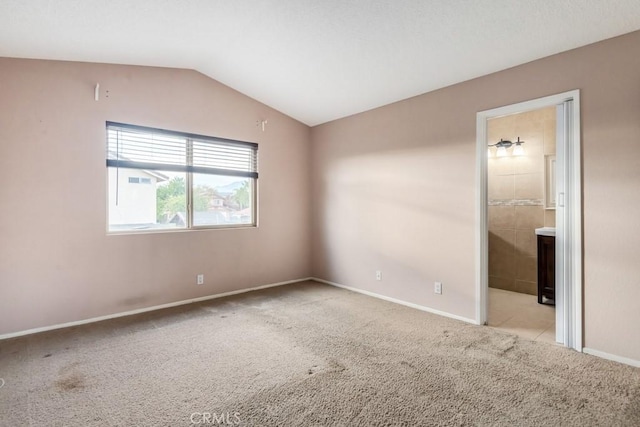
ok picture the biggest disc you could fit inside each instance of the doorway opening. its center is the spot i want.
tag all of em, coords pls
(521, 201)
(521, 220)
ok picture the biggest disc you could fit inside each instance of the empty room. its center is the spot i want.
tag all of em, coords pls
(319, 213)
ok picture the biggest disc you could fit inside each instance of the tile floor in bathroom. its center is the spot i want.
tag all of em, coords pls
(521, 314)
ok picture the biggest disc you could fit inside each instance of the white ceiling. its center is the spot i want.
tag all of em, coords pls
(315, 60)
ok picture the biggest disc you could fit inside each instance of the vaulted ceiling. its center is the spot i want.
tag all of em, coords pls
(315, 60)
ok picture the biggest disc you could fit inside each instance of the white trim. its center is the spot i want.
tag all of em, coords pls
(396, 301)
(574, 184)
(619, 359)
(146, 309)
(573, 262)
(482, 226)
(563, 295)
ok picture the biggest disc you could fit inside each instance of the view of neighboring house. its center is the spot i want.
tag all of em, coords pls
(132, 197)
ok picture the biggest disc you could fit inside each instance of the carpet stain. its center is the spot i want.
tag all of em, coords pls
(46, 355)
(405, 363)
(336, 366)
(71, 382)
(332, 366)
(70, 379)
(224, 316)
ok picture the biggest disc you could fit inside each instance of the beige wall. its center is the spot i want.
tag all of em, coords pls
(516, 198)
(57, 264)
(395, 189)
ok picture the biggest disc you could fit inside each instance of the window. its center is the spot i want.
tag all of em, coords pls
(191, 181)
(139, 180)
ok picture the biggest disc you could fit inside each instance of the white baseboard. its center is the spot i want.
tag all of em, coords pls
(146, 309)
(619, 359)
(397, 301)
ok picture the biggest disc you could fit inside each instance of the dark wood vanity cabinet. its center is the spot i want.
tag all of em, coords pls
(547, 270)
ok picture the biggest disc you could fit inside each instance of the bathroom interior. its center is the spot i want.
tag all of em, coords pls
(521, 220)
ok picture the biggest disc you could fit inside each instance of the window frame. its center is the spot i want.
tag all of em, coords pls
(189, 170)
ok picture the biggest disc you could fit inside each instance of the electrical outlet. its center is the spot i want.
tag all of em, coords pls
(378, 275)
(200, 279)
(438, 288)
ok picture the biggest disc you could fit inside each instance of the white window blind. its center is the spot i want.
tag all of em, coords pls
(138, 147)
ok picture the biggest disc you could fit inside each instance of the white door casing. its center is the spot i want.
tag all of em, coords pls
(568, 216)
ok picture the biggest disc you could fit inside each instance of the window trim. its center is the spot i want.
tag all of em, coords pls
(188, 169)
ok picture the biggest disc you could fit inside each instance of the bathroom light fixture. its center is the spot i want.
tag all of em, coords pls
(518, 150)
(502, 146)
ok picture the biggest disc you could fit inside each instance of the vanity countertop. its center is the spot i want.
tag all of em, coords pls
(546, 231)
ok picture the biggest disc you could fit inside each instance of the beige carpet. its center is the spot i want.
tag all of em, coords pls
(305, 355)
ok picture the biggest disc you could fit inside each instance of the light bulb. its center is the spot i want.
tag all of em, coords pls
(518, 150)
(489, 152)
(502, 152)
